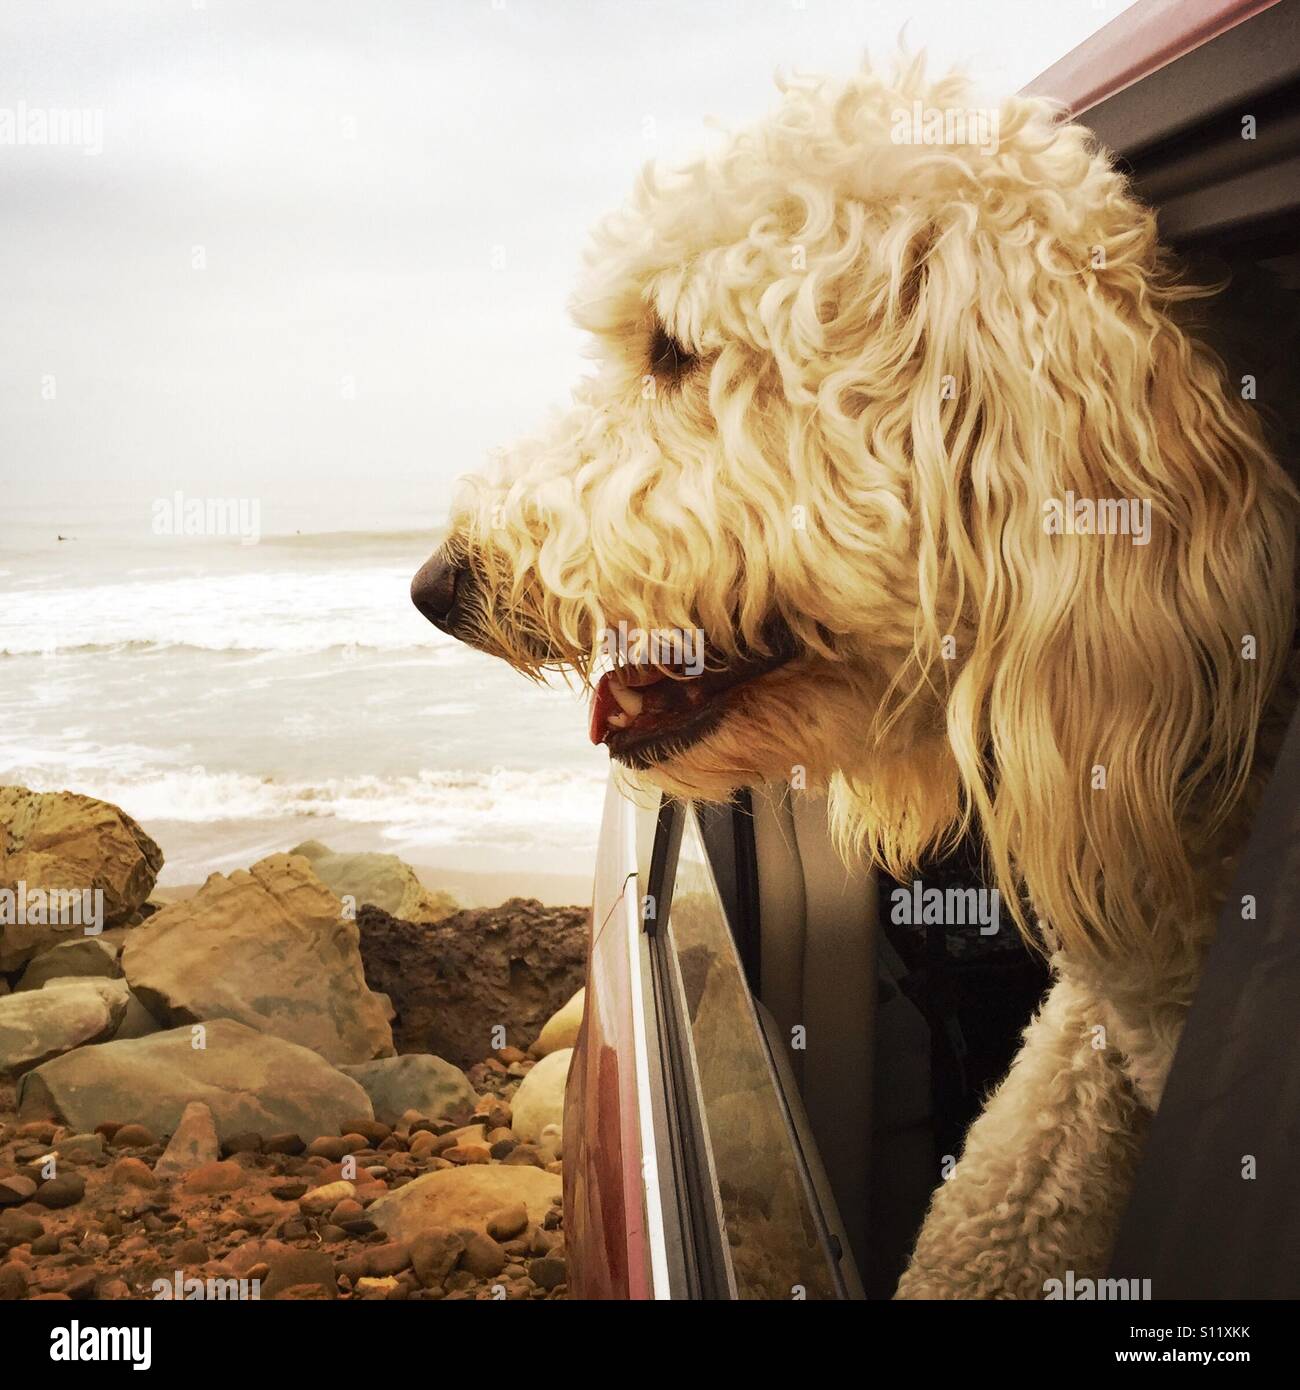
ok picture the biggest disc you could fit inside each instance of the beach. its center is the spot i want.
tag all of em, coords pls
(239, 698)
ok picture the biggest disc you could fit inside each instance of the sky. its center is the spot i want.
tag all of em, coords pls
(324, 253)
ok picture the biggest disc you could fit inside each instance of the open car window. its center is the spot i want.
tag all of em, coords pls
(750, 1200)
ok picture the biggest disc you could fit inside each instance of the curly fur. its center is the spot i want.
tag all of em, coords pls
(896, 355)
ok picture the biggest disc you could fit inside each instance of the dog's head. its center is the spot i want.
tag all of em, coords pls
(861, 374)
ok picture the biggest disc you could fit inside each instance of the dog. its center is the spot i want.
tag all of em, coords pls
(906, 436)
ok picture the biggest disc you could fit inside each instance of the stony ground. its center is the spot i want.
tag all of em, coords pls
(101, 1223)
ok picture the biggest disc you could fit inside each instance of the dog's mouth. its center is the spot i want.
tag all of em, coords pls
(647, 713)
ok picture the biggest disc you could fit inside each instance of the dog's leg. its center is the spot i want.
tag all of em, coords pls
(1046, 1168)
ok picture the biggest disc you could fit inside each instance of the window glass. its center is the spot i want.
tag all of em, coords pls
(772, 1234)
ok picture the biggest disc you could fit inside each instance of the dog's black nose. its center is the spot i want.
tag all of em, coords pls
(433, 590)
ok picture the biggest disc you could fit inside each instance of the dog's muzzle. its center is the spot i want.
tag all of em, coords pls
(440, 590)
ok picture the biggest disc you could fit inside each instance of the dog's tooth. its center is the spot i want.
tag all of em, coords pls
(629, 700)
(618, 721)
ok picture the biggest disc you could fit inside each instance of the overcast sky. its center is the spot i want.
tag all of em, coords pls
(389, 199)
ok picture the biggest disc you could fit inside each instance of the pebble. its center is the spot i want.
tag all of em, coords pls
(283, 1144)
(434, 1254)
(16, 1189)
(326, 1198)
(133, 1137)
(390, 1258)
(373, 1131)
(331, 1146)
(289, 1191)
(191, 1252)
(66, 1190)
(293, 1269)
(248, 1142)
(507, 1223)
(133, 1172)
(214, 1177)
(525, 1153)
(548, 1272)
(467, 1153)
(13, 1281)
(482, 1256)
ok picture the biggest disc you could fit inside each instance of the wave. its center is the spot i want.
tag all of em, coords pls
(290, 610)
(549, 807)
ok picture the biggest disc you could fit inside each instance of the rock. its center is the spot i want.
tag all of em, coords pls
(284, 1144)
(373, 1131)
(388, 1259)
(16, 1189)
(20, 1228)
(335, 1147)
(14, 1279)
(548, 1272)
(248, 1080)
(539, 1101)
(193, 1144)
(416, 1081)
(65, 842)
(268, 947)
(294, 1269)
(133, 1172)
(450, 982)
(524, 1155)
(89, 956)
(213, 1177)
(133, 1136)
(65, 1190)
(561, 1029)
(379, 879)
(322, 1199)
(507, 1223)
(247, 1143)
(462, 1197)
(289, 1191)
(39, 1024)
(191, 1253)
(137, 1021)
(483, 1257)
(81, 1148)
(434, 1255)
(467, 1153)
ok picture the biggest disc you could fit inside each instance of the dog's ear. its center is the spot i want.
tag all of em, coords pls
(1098, 520)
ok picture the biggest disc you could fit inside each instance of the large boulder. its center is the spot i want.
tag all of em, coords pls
(561, 1029)
(38, 1024)
(381, 879)
(539, 1101)
(251, 1082)
(89, 956)
(135, 1020)
(268, 946)
(454, 982)
(59, 842)
(455, 1198)
(416, 1081)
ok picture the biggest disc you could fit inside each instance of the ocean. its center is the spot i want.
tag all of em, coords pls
(237, 699)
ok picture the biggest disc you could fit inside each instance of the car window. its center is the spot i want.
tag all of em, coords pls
(773, 1235)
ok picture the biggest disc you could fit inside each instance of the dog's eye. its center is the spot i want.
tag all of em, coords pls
(669, 360)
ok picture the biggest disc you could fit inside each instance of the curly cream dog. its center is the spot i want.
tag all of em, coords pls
(864, 405)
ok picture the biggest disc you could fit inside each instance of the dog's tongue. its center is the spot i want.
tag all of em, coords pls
(603, 704)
